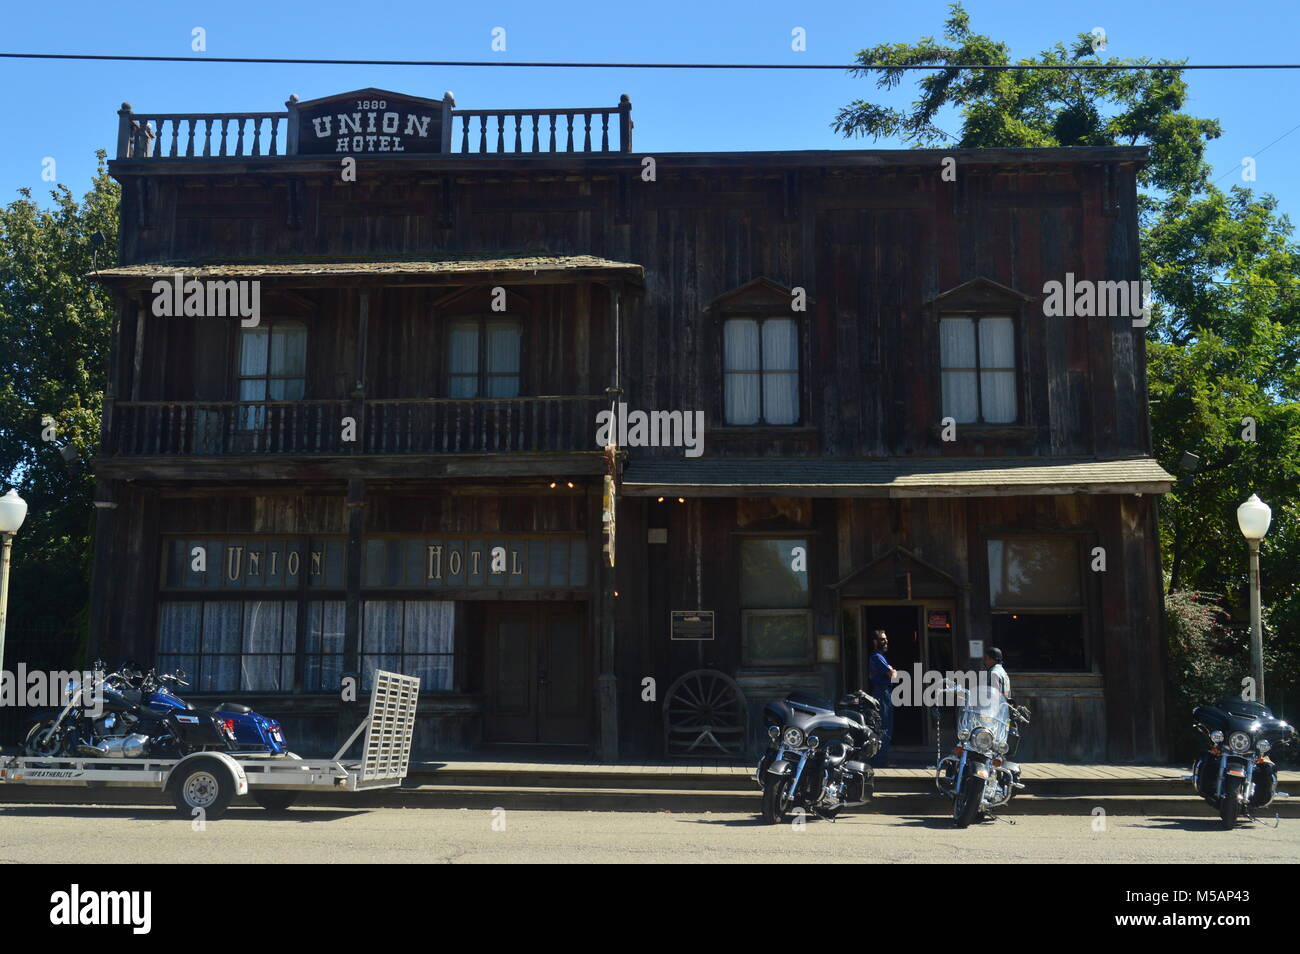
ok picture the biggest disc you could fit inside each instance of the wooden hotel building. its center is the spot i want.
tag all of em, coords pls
(397, 464)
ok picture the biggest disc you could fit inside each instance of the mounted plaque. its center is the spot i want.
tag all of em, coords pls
(692, 624)
(373, 122)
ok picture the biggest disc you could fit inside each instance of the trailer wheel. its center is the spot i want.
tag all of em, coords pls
(275, 800)
(206, 785)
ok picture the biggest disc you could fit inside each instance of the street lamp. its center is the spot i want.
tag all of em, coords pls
(13, 511)
(1253, 517)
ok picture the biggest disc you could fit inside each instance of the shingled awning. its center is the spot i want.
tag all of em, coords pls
(893, 477)
(504, 269)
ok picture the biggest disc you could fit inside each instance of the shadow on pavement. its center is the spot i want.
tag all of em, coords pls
(305, 814)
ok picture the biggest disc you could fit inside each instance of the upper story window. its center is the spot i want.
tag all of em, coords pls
(759, 355)
(761, 370)
(483, 357)
(977, 359)
(273, 362)
(272, 367)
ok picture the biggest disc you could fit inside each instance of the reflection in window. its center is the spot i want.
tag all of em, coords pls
(1036, 600)
(775, 601)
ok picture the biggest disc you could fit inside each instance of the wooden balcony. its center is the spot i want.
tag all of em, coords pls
(581, 130)
(420, 426)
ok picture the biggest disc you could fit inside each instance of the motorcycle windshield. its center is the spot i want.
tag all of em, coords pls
(986, 708)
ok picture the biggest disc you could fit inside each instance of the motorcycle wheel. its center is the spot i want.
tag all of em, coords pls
(40, 743)
(276, 800)
(967, 803)
(1230, 803)
(775, 799)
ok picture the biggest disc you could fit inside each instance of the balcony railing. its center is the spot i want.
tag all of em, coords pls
(546, 424)
(470, 132)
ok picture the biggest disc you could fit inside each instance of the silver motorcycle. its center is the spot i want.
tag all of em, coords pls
(979, 776)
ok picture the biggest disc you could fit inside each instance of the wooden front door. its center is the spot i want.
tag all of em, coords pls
(537, 684)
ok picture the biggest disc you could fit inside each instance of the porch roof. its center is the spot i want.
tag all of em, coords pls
(497, 268)
(894, 477)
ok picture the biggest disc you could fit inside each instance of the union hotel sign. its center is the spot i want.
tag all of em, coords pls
(549, 561)
(372, 121)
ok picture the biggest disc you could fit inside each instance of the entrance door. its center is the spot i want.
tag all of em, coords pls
(536, 680)
(902, 624)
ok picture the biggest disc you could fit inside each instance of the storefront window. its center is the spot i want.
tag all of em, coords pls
(415, 637)
(775, 601)
(230, 645)
(1036, 599)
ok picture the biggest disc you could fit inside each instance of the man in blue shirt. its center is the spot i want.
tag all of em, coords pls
(880, 678)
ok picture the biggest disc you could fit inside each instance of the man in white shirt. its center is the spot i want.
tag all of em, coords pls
(1000, 681)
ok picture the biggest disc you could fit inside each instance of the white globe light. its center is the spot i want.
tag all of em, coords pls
(13, 511)
(1253, 517)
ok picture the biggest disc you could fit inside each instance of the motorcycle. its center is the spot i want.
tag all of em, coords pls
(978, 776)
(1235, 774)
(131, 714)
(816, 758)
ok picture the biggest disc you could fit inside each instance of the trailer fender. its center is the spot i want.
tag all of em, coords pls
(234, 768)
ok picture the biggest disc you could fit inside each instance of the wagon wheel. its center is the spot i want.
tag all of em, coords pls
(705, 715)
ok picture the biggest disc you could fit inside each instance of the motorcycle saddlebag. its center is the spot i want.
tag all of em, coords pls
(197, 729)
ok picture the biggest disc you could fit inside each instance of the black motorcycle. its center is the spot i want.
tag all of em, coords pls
(1235, 775)
(816, 758)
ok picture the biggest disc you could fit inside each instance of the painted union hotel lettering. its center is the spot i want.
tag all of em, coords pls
(395, 467)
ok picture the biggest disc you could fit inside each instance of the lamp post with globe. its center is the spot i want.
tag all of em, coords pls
(1253, 517)
(13, 511)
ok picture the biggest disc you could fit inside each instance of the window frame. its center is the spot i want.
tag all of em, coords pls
(807, 539)
(977, 298)
(1081, 540)
(269, 325)
(761, 318)
(979, 369)
(481, 374)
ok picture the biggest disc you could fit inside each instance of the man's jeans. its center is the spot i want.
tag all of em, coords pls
(881, 758)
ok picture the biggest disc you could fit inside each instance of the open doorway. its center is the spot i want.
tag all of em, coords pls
(902, 624)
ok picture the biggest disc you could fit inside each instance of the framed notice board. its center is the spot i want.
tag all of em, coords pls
(691, 624)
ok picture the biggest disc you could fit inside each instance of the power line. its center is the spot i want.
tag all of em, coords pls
(307, 61)
(1258, 152)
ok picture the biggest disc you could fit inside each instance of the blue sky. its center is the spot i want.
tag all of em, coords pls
(66, 110)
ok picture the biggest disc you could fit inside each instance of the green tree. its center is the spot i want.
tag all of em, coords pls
(57, 328)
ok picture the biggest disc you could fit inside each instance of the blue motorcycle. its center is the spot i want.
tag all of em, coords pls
(130, 715)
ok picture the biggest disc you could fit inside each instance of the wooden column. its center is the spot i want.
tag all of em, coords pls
(350, 710)
(103, 572)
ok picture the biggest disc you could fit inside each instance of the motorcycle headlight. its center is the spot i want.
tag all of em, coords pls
(1239, 742)
(813, 741)
(1000, 748)
(981, 739)
(793, 737)
(963, 734)
(1264, 746)
(774, 732)
(1216, 736)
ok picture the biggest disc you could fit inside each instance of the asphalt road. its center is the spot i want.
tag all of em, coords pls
(89, 834)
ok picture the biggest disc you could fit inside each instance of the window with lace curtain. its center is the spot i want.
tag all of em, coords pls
(760, 371)
(977, 360)
(483, 357)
